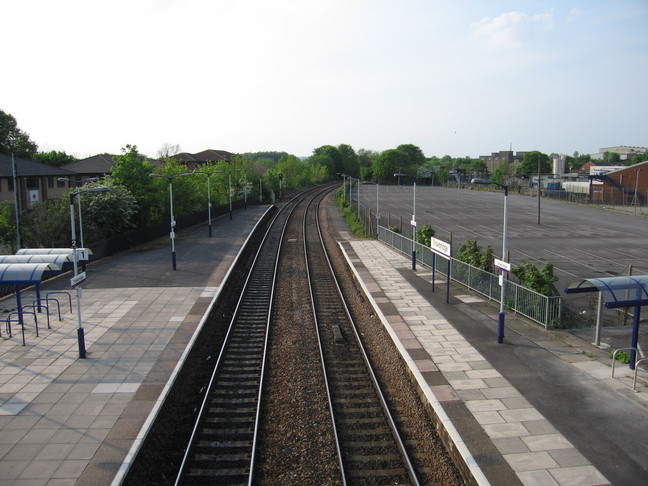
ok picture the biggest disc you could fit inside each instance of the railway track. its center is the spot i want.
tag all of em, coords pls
(222, 445)
(370, 448)
(230, 443)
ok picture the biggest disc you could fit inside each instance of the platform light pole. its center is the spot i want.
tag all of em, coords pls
(377, 203)
(173, 223)
(79, 277)
(343, 184)
(413, 222)
(501, 315)
(79, 182)
(209, 204)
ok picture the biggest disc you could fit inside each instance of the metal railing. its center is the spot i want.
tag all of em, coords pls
(521, 300)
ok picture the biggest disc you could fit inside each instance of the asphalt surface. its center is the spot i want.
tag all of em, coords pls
(580, 241)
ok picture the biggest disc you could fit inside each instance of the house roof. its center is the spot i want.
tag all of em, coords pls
(97, 164)
(204, 156)
(29, 168)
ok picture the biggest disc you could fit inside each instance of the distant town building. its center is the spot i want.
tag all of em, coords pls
(495, 159)
(626, 152)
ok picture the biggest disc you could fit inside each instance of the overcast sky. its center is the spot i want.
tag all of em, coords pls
(456, 77)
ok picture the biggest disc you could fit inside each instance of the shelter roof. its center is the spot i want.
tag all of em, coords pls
(24, 273)
(630, 291)
(56, 258)
(50, 251)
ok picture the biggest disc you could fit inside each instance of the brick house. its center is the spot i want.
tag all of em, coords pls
(36, 182)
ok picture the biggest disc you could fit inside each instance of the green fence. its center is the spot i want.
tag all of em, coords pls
(537, 307)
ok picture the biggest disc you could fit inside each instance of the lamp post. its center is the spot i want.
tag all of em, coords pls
(229, 192)
(500, 321)
(209, 204)
(343, 184)
(377, 203)
(79, 182)
(173, 223)
(78, 278)
(229, 181)
(413, 222)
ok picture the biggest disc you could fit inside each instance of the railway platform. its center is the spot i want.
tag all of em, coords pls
(65, 420)
(540, 409)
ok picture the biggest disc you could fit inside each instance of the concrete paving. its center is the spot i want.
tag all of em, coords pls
(540, 409)
(65, 420)
(544, 399)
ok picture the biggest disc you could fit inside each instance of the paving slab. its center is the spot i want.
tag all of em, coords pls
(66, 420)
(543, 399)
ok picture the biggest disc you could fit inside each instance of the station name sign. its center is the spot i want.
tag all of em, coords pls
(502, 265)
(76, 280)
(441, 247)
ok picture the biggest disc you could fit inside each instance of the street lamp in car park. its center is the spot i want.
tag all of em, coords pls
(413, 222)
(173, 223)
(503, 265)
(79, 277)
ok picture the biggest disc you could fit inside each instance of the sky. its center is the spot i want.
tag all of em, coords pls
(455, 77)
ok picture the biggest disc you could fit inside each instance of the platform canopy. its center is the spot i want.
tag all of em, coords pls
(50, 251)
(57, 258)
(24, 273)
(630, 291)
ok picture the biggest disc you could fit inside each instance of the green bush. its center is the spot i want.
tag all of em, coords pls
(540, 281)
(621, 356)
(424, 235)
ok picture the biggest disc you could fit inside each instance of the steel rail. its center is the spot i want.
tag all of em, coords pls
(254, 305)
(407, 464)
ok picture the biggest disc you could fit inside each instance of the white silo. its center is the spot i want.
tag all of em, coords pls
(559, 166)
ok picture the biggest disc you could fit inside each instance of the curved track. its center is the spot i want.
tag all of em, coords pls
(225, 438)
(222, 445)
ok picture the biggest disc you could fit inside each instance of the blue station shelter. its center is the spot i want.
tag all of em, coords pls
(619, 292)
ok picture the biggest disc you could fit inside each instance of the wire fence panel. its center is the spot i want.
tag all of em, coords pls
(533, 305)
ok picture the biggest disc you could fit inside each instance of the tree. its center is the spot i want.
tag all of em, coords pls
(7, 227)
(388, 163)
(185, 197)
(350, 164)
(291, 168)
(611, 157)
(639, 158)
(415, 157)
(107, 214)
(529, 165)
(54, 158)
(330, 157)
(13, 139)
(478, 167)
(498, 176)
(132, 170)
(167, 150)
